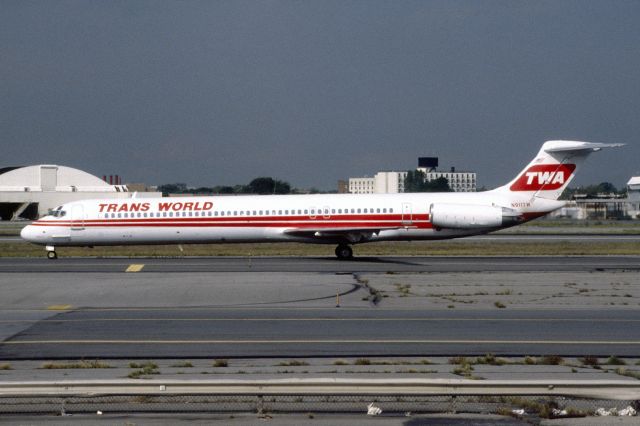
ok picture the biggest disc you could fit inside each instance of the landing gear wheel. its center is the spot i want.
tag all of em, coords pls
(52, 255)
(344, 252)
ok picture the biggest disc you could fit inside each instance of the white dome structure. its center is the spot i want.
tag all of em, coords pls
(30, 192)
(53, 178)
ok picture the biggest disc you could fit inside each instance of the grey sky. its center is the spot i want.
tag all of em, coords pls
(218, 92)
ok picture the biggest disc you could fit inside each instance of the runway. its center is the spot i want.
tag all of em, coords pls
(222, 333)
(325, 264)
(287, 307)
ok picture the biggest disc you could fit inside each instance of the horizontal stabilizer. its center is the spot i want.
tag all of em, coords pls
(565, 146)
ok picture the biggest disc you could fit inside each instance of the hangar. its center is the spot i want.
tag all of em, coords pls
(29, 192)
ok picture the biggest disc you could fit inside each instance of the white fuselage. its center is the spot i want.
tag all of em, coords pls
(332, 218)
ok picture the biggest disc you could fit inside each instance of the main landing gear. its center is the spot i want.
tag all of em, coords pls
(51, 252)
(344, 252)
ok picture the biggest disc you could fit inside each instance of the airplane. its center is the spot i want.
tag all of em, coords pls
(340, 219)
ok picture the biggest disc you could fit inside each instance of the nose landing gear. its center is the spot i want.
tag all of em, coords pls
(51, 252)
(344, 252)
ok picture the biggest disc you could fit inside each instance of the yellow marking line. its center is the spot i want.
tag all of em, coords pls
(317, 341)
(135, 267)
(58, 307)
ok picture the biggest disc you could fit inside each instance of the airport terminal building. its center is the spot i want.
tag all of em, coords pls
(392, 182)
(29, 192)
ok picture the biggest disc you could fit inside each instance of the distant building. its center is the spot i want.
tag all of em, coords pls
(633, 197)
(604, 206)
(362, 185)
(391, 182)
(343, 186)
(30, 192)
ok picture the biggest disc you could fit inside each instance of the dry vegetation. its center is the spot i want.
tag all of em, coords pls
(435, 248)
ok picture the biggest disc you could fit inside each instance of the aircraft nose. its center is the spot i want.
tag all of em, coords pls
(28, 233)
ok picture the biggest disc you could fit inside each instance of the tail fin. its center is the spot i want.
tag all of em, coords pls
(552, 169)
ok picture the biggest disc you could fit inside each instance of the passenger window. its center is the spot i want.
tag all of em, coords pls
(390, 210)
(164, 214)
(235, 213)
(280, 212)
(119, 215)
(333, 211)
(359, 210)
(384, 210)
(299, 211)
(286, 212)
(254, 213)
(260, 212)
(313, 211)
(197, 213)
(241, 213)
(228, 212)
(190, 214)
(353, 210)
(365, 210)
(377, 210)
(170, 214)
(144, 214)
(339, 211)
(306, 212)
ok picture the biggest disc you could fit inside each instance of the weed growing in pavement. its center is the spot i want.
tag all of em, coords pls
(293, 363)
(218, 363)
(614, 360)
(185, 364)
(589, 360)
(74, 365)
(551, 360)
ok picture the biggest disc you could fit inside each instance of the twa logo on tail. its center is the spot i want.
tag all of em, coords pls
(544, 177)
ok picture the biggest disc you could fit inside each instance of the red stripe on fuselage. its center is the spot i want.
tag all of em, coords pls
(347, 222)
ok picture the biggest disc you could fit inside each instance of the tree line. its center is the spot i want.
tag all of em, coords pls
(261, 185)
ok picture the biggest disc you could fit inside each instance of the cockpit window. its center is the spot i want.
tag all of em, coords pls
(57, 212)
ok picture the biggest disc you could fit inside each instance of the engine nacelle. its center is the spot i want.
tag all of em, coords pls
(467, 216)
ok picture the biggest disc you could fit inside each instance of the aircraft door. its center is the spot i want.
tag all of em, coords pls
(407, 215)
(77, 217)
(326, 213)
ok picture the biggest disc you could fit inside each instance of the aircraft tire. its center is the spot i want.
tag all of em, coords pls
(344, 252)
(52, 255)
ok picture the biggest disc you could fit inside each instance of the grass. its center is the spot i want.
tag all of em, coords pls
(74, 365)
(340, 362)
(498, 304)
(185, 364)
(362, 361)
(417, 248)
(5, 367)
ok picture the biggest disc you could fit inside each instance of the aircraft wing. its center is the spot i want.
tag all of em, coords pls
(351, 235)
